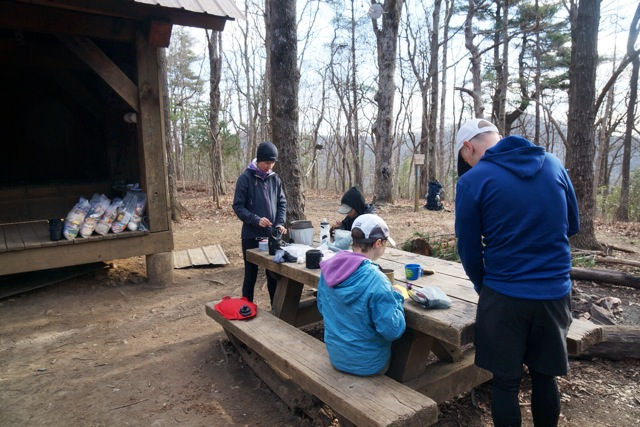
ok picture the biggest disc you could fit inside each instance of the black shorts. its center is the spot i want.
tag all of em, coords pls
(511, 332)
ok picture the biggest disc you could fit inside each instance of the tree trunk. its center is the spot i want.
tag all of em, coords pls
(476, 67)
(581, 150)
(623, 209)
(355, 126)
(500, 64)
(214, 45)
(442, 170)
(174, 204)
(387, 42)
(433, 107)
(285, 79)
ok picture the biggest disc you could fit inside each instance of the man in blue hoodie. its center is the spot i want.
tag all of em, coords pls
(362, 313)
(515, 211)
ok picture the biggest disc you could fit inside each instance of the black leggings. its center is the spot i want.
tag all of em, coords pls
(545, 401)
(251, 273)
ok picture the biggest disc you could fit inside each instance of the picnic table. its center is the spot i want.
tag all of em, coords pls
(432, 362)
(447, 334)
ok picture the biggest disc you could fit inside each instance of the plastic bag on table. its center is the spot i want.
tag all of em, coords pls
(74, 218)
(99, 204)
(136, 218)
(429, 297)
(342, 239)
(105, 221)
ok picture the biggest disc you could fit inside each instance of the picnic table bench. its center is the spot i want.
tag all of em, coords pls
(364, 401)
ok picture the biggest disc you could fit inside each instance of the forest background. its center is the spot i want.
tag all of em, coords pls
(350, 91)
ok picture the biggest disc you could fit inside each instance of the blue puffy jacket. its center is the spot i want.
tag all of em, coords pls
(362, 314)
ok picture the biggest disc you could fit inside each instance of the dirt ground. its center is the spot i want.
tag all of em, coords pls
(111, 349)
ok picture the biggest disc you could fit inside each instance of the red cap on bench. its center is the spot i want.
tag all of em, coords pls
(236, 308)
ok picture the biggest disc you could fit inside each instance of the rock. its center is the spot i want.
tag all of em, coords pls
(601, 316)
(610, 303)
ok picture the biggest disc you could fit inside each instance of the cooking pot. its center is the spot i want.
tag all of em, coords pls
(301, 232)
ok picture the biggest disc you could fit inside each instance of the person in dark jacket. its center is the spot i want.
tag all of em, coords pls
(352, 205)
(260, 204)
(515, 211)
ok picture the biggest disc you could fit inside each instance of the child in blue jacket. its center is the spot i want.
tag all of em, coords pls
(362, 313)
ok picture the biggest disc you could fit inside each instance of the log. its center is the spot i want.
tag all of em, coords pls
(618, 342)
(619, 248)
(609, 260)
(606, 276)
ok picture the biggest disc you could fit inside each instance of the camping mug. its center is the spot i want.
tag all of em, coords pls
(389, 273)
(412, 271)
(313, 257)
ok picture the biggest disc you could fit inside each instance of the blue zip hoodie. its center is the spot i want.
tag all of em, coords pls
(515, 211)
(362, 313)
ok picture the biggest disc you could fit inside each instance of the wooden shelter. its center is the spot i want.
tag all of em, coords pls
(82, 114)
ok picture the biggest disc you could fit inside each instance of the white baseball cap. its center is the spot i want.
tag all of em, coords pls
(373, 227)
(469, 130)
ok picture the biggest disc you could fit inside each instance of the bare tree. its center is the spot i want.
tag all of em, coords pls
(214, 45)
(474, 51)
(285, 78)
(387, 43)
(582, 92)
(623, 209)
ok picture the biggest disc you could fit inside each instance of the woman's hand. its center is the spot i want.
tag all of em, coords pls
(282, 229)
(264, 222)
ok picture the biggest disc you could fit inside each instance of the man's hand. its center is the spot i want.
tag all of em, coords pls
(282, 229)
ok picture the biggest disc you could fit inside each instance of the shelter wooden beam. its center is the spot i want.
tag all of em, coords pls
(29, 17)
(139, 11)
(102, 64)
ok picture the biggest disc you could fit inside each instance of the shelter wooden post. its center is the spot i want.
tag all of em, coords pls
(160, 269)
(153, 161)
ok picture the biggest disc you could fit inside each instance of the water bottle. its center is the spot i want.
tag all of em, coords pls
(324, 231)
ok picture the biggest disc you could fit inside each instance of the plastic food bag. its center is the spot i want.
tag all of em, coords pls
(75, 217)
(429, 297)
(141, 201)
(125, 213)
(342, 239)
(99, 204)
(104, 224)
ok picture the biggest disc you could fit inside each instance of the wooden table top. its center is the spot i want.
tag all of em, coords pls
(454, 325)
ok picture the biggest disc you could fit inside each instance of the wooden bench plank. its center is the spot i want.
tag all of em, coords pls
(13, 238)
(29, 238)
(215, 254)
(365, 401)
(3, 244)
(181, 259)
(441, 380)
(41, 231)
(197, 257)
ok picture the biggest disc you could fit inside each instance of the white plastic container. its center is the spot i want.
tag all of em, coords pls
(324, 231)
